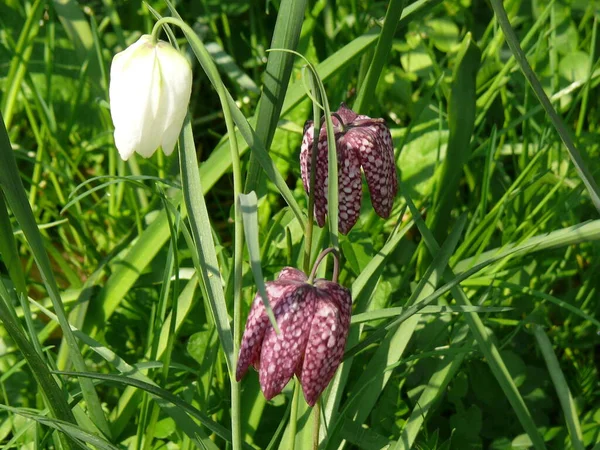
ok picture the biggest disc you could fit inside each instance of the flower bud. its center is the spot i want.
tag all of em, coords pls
(150, 88)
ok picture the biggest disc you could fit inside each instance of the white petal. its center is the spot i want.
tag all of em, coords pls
(149, 92)
(131, 80)
(175, 96)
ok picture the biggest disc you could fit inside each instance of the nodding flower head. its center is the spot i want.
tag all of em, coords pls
(360, 141)
(150, 88)
(313, 320)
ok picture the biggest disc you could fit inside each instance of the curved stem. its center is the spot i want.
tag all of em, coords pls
(213, 74)
(336, 264)
(313, 178)
(294, 415)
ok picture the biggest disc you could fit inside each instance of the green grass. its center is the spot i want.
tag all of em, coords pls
(124, 286)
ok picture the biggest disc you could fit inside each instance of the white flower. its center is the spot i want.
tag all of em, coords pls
(150, 88)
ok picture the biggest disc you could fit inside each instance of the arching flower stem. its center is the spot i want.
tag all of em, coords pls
(336, 265)
(213, 75)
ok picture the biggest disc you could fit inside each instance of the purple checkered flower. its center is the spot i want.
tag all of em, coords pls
(360, 141)
(313, 320)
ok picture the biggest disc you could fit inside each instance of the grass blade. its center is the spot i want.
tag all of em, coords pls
(374, 379)
(485, 341)
(73, 431)
(384, 44)
(14, 192)
(511, 38)
(562, 388)
(249, 208)
(53, 396)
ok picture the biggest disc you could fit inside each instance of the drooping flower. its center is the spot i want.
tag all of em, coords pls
(313, 320)
(150, 88)
(360, 141)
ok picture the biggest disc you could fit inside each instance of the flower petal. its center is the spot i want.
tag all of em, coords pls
(327, 340)
(373, 140)
(346, 114)
(320, 169)
(257, 324)
(134, 80)
(350, 185)
(306, 154)
(175, 95)
(281, 354)
(292, 274)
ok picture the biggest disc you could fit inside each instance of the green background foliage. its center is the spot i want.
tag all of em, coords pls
(476, 318)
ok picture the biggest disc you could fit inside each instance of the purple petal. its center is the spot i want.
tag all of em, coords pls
(305, 154)
(346, 114)
(327, 340)
(320, 171)
(281, 354)
(292, 274)
(349, 185)
(373, 140)
(257, 324)
(340, 295)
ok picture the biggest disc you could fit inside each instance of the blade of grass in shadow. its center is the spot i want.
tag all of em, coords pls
(203, 239)
(562, 388)
(178, 409)
(484, 339)
(276, 78)
(20, 60)
(361, 400)
(78, 435)
(435, 387)
(461, 122)
(366, 278)
(14, 192)
(169, 403)
(12, 262)
(379, 314)
(53, 396)
(565, 136)
(249, 210)
(366, 93)
(78, 29)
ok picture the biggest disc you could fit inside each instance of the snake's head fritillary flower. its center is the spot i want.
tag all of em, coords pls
(361, 141)
(150, 88)
(313, 320)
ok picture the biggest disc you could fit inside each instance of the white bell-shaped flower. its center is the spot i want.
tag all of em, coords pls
(150, 88)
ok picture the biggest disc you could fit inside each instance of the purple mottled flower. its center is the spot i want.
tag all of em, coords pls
(313, 320)
(360, 141)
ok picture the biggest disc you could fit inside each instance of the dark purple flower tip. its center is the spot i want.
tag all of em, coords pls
(314, 322)
(360, 141)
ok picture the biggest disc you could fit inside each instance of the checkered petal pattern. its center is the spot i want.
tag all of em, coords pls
(314, 322)
(360, 141)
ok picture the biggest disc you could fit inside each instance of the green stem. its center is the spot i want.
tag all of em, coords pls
(294, 415)
(313, 178)
(316, 424)
(336, 264)
(213, 74)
